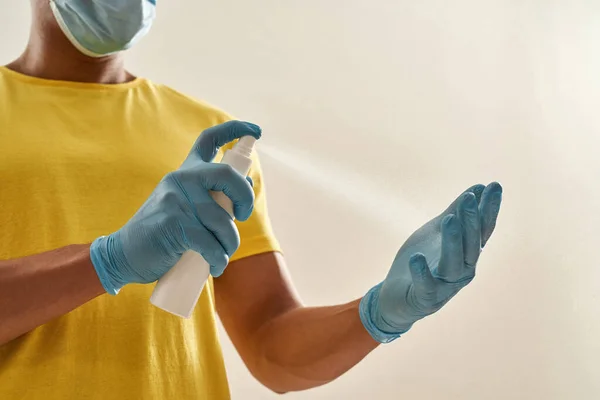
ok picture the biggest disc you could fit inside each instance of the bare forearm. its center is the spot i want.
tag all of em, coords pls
(307, 347)
(38, 288)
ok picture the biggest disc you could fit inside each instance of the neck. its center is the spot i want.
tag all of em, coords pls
(59, 60)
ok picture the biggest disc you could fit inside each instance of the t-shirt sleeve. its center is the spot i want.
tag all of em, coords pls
(256, 232)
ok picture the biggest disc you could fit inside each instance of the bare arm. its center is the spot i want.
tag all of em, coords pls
(286, 346)
(38, 288)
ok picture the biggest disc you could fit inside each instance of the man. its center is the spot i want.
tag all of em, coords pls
(101, 195)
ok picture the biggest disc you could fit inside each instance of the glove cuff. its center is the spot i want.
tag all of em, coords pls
(367, 310)
(101, 259)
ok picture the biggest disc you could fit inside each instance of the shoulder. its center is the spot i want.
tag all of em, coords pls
(185, 106)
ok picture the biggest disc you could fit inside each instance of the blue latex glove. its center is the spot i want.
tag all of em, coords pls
(180, 215)
(433, 265)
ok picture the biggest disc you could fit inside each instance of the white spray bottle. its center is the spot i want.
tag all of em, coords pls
(179, 289)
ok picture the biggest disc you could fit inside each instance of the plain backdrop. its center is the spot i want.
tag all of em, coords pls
(376, 115)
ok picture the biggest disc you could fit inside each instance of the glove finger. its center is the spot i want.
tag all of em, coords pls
(203, 242)
(223, 178)
(423, 280)
(209, 213)
(468, 215)
(451, 266)
(477, 190)
(489, 208)
(208, 143)
(221, 225)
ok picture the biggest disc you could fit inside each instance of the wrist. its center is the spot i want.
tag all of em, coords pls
(372, 320)
(104, 258)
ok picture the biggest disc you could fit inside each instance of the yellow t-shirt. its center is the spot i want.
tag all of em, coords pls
(76, 161)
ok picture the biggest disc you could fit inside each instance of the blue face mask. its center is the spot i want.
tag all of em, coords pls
(101, 27)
